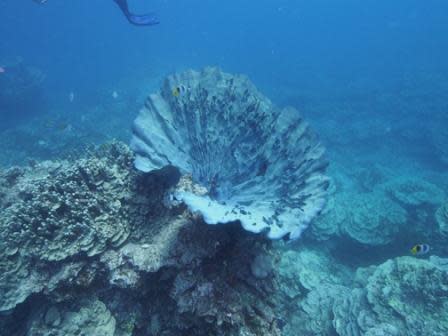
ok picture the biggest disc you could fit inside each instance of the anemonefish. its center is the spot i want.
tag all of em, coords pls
(420, 249)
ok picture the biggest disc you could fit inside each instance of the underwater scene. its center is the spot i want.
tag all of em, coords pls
(241, 168)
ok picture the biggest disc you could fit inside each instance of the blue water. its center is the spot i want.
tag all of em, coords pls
(321, 50)
(343, 61)
(370, 76)
(323, 46)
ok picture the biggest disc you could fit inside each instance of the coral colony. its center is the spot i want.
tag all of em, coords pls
(259, 165)
(93, 246)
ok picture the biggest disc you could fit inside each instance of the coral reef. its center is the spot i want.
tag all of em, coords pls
(378, 208)
(85, 317)
(404, 296)
(372, 219)
(96, 225)
(92, 246)
(153, 270)
(309, 281)
(413, 192)
(62, 133)
(53, 214)
(205, 272)
(266, 172)
(306, 270)
(367, 218)
(439, 137)
(442, 219)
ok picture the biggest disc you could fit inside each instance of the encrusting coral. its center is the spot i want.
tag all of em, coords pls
(56, 212)
(403, 296)
(368, 218)
(85, 317)
(414, 192)
(67, 226)
(378, 213)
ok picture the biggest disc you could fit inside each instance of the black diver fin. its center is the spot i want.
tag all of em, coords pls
(138, 20)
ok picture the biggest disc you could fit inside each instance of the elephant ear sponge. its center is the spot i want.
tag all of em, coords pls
(258, 164)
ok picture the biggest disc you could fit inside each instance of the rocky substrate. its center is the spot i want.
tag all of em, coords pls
(89, 248)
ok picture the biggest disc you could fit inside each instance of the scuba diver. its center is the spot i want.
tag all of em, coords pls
(138, 20)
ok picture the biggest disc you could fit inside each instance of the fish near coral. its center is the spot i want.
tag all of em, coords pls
(176, 92)
(260, 165)
(420, 249)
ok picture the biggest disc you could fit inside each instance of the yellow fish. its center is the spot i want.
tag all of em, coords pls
(420, 249)
(176, 92)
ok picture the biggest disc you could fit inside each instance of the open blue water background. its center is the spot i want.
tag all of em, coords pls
(319, 46)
